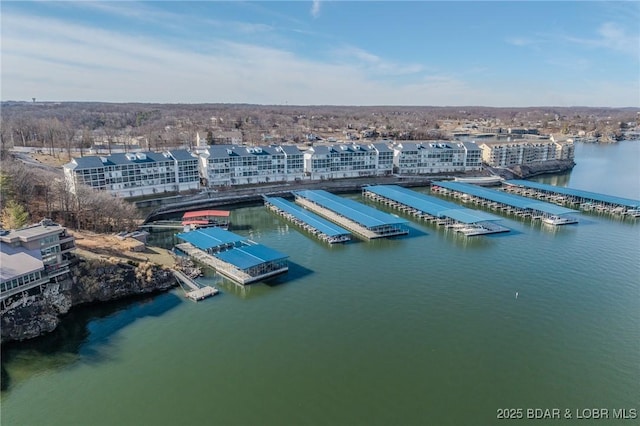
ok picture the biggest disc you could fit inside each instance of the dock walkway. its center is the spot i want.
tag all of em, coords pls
(356, 217)
(194, 292)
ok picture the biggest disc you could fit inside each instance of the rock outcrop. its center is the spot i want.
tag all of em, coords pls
(90, 281)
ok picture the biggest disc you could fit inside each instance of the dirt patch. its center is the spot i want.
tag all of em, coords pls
(94, 245)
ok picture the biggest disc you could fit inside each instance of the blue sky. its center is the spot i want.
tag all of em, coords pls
(494, 53)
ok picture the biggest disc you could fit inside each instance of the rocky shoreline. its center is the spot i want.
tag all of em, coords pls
(90, 281)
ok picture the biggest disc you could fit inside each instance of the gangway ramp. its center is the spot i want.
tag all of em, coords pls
(191, 289)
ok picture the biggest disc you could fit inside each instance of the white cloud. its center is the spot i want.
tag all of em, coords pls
(315, 8)
(613, 37)
(58, 60)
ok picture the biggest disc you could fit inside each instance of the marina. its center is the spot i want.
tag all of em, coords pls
(310, 222)
(508, 203)
(354, 216)
(585, 200)
(237, 258)
(431, 209)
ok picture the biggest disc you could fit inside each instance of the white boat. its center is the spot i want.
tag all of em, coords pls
(480, 180)
(559, 220)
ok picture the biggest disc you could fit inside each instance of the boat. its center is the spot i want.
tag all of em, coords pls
(559, 220)
(481, 180)
(205, 219)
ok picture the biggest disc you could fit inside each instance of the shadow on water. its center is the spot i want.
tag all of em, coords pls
(80, 335)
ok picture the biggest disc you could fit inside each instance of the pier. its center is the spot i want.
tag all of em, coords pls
(507, 203)
(356, 217)
(310, 222)
(191, 289)
(431, 209)
(584, 200)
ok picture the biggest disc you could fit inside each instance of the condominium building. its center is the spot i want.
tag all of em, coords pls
(33, 257)
(510, 153)
(135, 174)
(436, 157)
(225, 165)
(341, 161)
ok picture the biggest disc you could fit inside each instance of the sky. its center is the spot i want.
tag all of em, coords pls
(454, 53)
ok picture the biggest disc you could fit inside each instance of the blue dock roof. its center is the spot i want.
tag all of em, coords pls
(248, 256)
(505, 198)
(627, 202)
(431, 205)
(357, 212)
(208, 238)
(319, 223)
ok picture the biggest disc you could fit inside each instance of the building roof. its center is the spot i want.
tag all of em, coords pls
(319, 223)
(31, 233)
(627, 202)
(248, 256)
(200, 213)
(357, 212)
(381, 147)
(209, 238)
(182, 155)
(505, 198)
(18, 261)
(291, 149)
(431, 205)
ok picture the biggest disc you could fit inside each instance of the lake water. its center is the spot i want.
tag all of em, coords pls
(424, 329)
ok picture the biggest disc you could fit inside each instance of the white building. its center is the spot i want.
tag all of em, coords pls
(32, 257)
(510, 153)
(135, 174)
(436, 157)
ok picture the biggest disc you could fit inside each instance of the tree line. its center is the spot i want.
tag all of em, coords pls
(29, 194)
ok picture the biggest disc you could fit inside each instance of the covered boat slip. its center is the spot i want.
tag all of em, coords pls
(586, 200)
(356, 217)
(311, 222)
(203, 218)
(233, 256)
(466, 221)
(508, 203)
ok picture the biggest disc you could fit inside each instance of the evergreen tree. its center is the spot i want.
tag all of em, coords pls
(14, 216)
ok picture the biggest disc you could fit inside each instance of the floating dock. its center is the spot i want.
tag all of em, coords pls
(237, 258)
(356, 217)
(310, 222)
(461, 219)
(507, 203)
(585, 200)
(191, 289)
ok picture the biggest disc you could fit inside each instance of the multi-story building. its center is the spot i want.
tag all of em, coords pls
(135, 174)
(224, 165)
(510, 153)
(33, 257)
(436, 157)
(346, 161)
(384, 157)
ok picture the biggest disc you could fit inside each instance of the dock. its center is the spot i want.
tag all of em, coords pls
(584, 200)
(310, 222)
(466, 221)
(237, 258)
(506, 203)
(356, 217)
(191, 289)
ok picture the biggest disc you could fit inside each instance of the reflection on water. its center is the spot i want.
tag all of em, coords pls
(81, 333)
